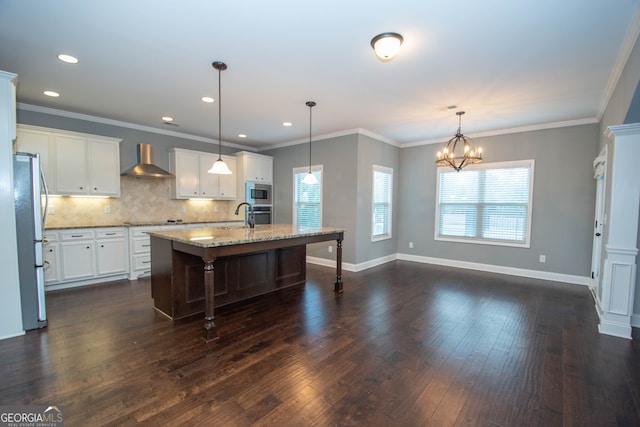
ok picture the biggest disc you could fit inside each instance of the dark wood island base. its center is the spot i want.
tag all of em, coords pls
(192, 274)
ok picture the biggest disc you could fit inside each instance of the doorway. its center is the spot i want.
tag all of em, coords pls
(600, 172)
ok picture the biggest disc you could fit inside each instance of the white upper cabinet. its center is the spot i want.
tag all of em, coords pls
(41, 142)
(74, 163)
(255, 167)
(192, 179)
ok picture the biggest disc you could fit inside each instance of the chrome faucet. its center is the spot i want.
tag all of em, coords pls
(251, 218)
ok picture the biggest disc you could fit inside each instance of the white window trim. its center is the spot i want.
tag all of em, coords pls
(305, 169)
(530, 163)
(377, 238)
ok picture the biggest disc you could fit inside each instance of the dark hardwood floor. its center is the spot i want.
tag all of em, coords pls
(405, 345)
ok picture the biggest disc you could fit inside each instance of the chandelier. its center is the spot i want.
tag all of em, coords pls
(458, 151)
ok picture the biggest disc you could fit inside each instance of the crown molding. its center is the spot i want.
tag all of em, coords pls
(111, 122)
(508, 131)
(355, 131)
(621, 62)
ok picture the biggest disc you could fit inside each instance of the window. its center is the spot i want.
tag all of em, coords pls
(307, 199)
(381, 203)
(488, 203)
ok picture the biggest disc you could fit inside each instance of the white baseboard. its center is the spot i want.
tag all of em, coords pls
(511, 271)
(521, 272)
(12, 335)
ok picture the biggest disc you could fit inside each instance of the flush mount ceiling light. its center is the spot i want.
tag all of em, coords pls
(219, 167)
(310, 178)
(458, 151)
(386, 45)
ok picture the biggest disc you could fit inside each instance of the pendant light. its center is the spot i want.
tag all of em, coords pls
(310, 178)
(219, 167)
(466, 154)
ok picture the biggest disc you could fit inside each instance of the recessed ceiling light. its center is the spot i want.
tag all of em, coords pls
(242, 135)
(68, 58)
(51, 93)
(287, 124)
(167, 119)
(207, 99)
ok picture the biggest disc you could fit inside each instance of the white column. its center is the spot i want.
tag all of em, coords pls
(619, 275)
(10, 306)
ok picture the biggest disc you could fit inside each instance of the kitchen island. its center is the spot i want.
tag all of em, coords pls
(196, 270)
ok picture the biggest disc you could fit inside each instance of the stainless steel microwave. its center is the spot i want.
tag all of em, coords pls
(258, 194)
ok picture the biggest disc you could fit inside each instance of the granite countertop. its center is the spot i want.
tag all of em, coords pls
(133, 224)
(208, 237)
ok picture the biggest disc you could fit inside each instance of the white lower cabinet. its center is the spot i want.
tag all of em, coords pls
(50, 248)
(86, 256)
(77, 250)
(112, 252)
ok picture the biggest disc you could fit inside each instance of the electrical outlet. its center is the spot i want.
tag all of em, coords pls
(543, 258)
(184, 208)
(410, 245)
(330, 248)
(107, 209)
(51, 210)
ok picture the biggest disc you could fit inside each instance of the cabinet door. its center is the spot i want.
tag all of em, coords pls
(252, 169)
(50, 256)
(227, 183)
(104, 167)
(71, 164)
(112, 256)
(208, 181)
(77, 260)
(266, 170)
(187, 167)
(30, 141)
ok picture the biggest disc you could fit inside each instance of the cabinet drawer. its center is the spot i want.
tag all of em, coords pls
(76, 235)
(50, 236)
(142, 261)
(141, 245)
(110, 234)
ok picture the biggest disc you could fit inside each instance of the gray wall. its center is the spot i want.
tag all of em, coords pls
(130, 137)
(563, 201)
(338, 157)
(373, 152)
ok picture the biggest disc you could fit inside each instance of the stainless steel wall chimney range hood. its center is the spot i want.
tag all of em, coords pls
(145, 168)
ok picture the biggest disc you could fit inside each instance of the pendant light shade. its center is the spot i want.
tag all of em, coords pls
(458, 151)
(219, 167)
(310, 178)
(386, 45)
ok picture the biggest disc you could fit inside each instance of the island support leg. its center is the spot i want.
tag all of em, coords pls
(209, 332)
(338, 285)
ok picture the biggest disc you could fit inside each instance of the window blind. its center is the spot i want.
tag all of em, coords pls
(381, 202)
(307, 199)
(487, 204)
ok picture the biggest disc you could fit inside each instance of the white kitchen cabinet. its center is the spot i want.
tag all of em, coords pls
(104, 167)
(74, 163)
(32, 140)
(112, 254)
(50, 248)
(256, 167)
(87, 256)
(77, 250)
(140, 249)
(192, 179)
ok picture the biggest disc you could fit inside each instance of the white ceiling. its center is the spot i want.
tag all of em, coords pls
(509, 64)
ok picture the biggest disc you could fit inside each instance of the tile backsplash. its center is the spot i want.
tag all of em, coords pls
(141, 200)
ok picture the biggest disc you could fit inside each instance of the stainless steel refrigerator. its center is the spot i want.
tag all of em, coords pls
(29, 188)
